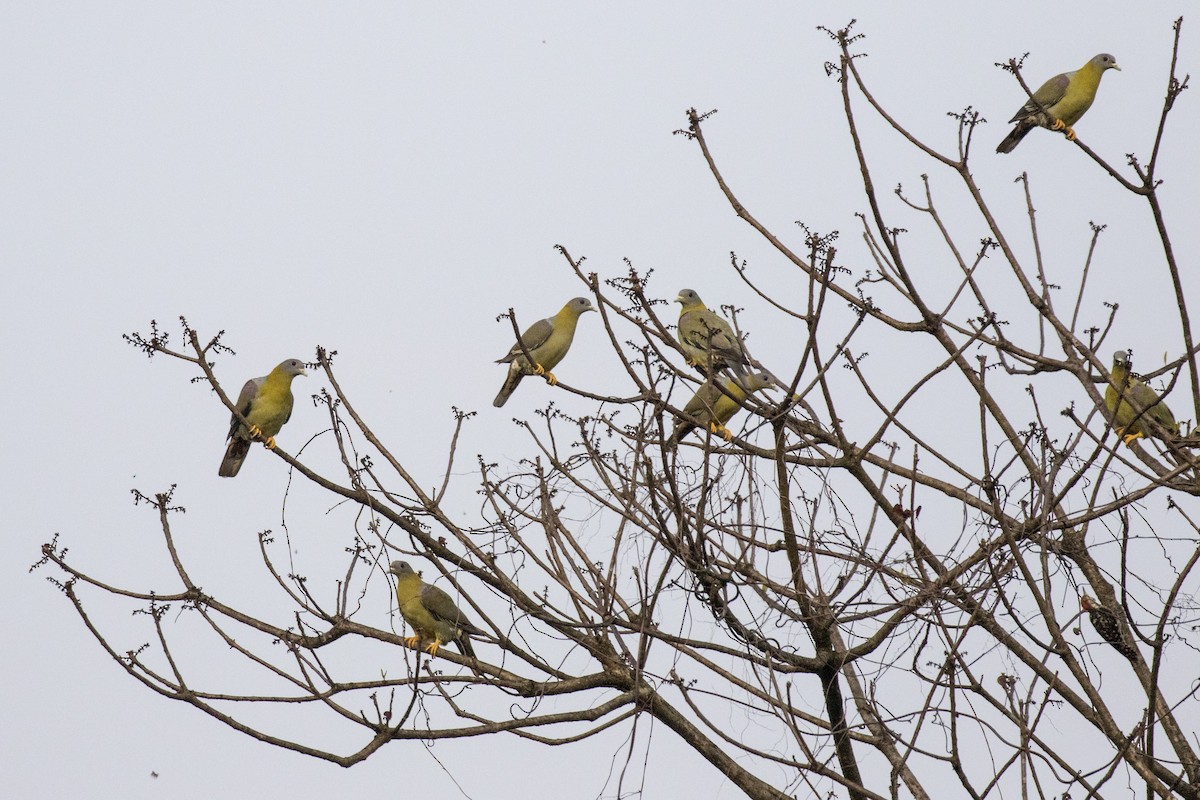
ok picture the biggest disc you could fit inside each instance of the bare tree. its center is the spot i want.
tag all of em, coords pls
(893, 595)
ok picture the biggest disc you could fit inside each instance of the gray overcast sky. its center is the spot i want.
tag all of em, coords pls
(383, 179)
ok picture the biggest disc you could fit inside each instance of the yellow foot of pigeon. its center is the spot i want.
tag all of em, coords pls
(538, 369)
(433, 648)
(270, 442)
(550, 379)
(1129, 439)
(412, 641)
(254, 431)
(721, 430)
(1059, 125)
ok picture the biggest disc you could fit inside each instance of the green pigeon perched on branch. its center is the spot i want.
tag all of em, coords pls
(1060, 102)
(1135, 408)
(266, 403)
(431, 613)
(714, 407)
(706, 338)
(546, 341)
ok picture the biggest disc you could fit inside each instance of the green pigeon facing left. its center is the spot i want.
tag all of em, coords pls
(266, 403)
(714, 407)
(431, 613)
(1135, 408)
(706, 338)
(546, 341)
(1064, 97)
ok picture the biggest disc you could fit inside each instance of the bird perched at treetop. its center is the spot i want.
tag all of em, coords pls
(266, 403)
(1135, 408)
(1060, 102)
(431, 613)
(546, 341)
(1106, 624)
(714, 407)
(706, 338)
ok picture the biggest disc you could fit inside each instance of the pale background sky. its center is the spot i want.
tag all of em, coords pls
(383, 179)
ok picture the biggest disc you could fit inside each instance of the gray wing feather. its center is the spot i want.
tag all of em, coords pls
(439, 604)
(536, 336)
(442, 608)
(245, 398)
(1048, 94)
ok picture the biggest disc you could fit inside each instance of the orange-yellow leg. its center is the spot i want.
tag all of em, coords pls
(1069, 132)
(257, 433)
(538, 369)
(721, 431)
(1127, 438)
(415, 643)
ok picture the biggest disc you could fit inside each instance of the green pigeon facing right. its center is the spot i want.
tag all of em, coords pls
(1135, 408)
(1064, 97)
(547, 341)
(431, 613)
(706, 338)
(266, 403)
(714, 407)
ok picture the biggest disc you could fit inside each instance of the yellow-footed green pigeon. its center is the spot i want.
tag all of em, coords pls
(431, 613)
(714, 407)
(1135, 408)
(706, 338)
(1064, 99)
(546, 341)
(266, 403)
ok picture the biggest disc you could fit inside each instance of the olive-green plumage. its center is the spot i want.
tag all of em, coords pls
(547, 341)
(706, 338)
(714, 407)
(1135, 408)
(266, 403)
(1064, 97)
(431, 613)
